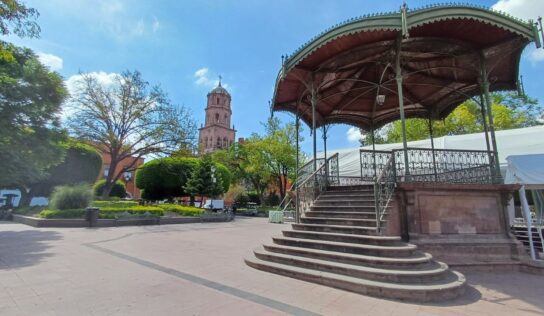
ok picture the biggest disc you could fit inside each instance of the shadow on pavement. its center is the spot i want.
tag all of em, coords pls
(24, 248)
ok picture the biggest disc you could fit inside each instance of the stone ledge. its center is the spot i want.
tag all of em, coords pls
(78, 222)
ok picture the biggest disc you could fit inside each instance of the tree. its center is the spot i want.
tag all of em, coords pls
(165, 178)
(16, 18)
(81, 165)
(128, 119)
(204, 181)
(278, 152)
(30, 100)
(509, 111)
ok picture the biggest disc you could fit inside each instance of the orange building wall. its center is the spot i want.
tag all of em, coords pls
(130, 185)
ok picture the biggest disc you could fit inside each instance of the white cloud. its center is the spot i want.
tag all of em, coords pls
(104, 78)
(536, 55)
(203, 78)
(354, 134)
(524, 9)
(52, 61)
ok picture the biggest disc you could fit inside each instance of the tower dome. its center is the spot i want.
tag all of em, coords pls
(219, 89)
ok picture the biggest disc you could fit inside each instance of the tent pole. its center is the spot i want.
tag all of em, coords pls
(487, 97)
(398, 78)
(528, 220)
(374, 152)
(432, 149)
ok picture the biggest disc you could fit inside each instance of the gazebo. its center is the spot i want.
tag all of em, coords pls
(379, 68)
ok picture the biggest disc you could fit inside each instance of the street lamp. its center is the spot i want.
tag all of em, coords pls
(380, 99)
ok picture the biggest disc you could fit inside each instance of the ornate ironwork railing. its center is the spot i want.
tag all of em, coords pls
(372, 163)
(309, 189)
(308, 168)
(333, 170)
(384, 187)
(446, 166)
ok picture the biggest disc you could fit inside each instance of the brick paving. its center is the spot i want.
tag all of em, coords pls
(198, 269)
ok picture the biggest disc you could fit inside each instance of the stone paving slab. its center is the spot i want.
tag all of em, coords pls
(198, 269)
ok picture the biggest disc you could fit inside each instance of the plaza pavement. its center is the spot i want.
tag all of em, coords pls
(198, 269)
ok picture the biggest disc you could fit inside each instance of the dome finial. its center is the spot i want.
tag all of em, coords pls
(220, 80)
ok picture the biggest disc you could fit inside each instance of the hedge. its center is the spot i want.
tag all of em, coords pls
(71, 197)
(136, 210)
(62, 213)
(181, 209)
(114, 204)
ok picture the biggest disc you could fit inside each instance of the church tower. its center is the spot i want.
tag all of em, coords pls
(217, 132)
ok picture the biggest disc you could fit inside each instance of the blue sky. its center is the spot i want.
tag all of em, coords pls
(185, 45)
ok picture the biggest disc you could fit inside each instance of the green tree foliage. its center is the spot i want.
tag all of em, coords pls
(118, 189)
(204, 181)
(30, 100)
(509, 111)
(129, 120)
(81, 164)
(16, 18)
(165, 178)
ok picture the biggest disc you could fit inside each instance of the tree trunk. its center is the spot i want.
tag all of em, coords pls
(26, 197)
(110, 178)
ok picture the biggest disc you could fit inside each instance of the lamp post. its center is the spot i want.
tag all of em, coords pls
(213, 181)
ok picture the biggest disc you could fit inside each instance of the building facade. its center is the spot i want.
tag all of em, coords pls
(217, 133)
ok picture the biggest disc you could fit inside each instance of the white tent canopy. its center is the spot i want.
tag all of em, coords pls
(521, 141)
(526, 169)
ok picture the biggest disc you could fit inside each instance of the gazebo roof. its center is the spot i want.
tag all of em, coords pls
(441, 52)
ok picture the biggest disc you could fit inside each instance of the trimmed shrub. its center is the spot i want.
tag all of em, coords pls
(71, 197)
(114, 204)
(182, 209)
(225, 174)
(118, 189)
(164, 178)
(62, 213)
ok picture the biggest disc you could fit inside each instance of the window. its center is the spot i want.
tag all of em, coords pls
(106, 171)
(225, 144)
(217, 117)
(217, 100)
(206, 141)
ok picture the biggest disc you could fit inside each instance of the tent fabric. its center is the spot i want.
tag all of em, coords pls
(526, 169)
(521, 141)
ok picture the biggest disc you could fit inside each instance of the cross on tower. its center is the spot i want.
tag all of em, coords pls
(220, 80)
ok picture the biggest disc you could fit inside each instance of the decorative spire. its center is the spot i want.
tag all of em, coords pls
(220, 81)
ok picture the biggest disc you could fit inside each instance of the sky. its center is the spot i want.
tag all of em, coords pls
(185, 45)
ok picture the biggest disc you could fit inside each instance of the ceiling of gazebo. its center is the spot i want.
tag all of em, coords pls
(350, 64)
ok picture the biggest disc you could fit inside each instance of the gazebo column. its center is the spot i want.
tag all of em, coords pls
(373, 151)
(485, 90)
(314, 105)
(398, 78)
(325, 152)
(486, 131)
(432, 148)
(297, 128)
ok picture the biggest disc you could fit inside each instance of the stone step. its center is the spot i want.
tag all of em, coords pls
(406, 250)
(366, 208)
(418, 261)
(357, 215)
(351, 187)
(338, 221)
(343, 202)
(369, 193)
(345, 238)
(371, 230)
(452, 287)
(426, 276)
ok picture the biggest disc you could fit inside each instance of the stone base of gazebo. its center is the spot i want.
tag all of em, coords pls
(460, 224)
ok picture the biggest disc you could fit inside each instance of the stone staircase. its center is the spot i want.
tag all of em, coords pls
(336, 244)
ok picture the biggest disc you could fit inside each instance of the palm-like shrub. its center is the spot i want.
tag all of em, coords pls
(71, 197)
